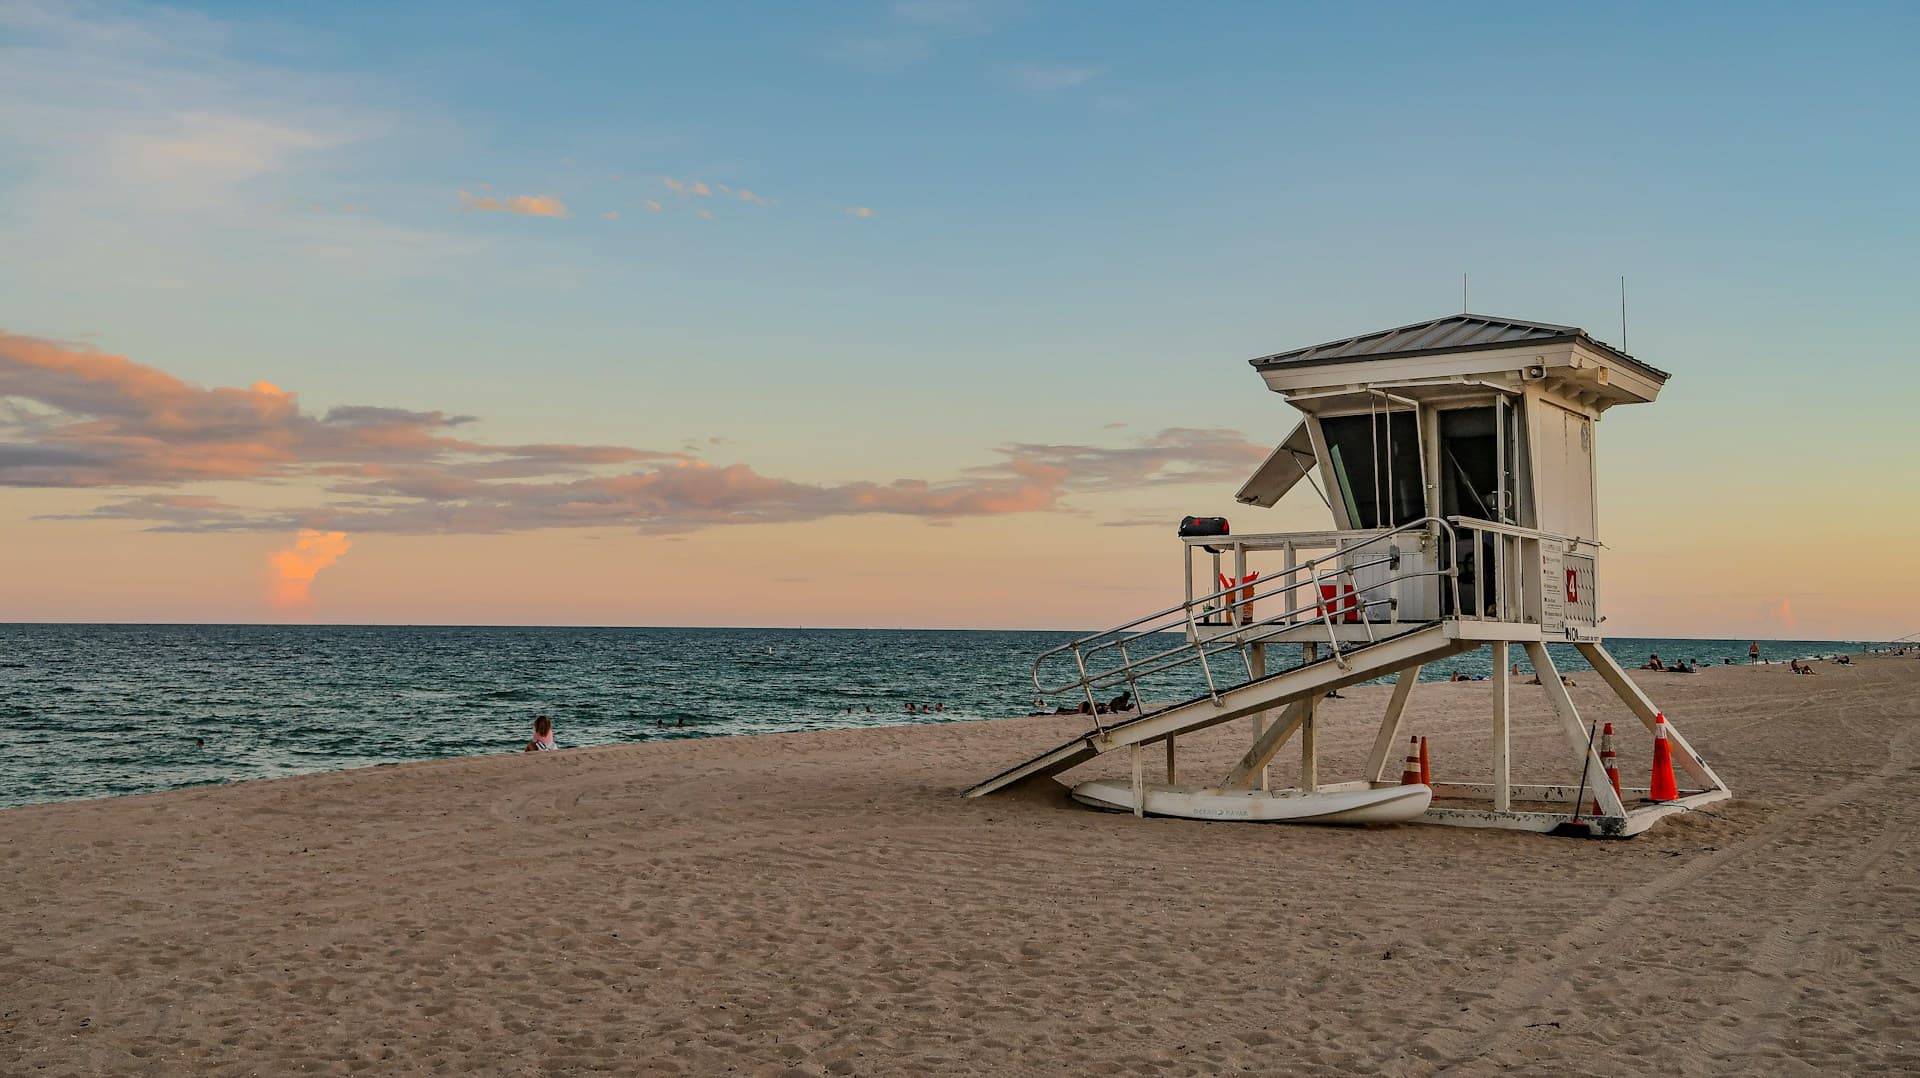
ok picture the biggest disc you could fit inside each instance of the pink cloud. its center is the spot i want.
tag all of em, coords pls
(81, 418)
(523, 205)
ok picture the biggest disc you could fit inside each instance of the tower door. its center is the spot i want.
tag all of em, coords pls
(1480, 464)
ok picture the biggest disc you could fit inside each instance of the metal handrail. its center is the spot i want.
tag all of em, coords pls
(1326, 611)
(1236, 596)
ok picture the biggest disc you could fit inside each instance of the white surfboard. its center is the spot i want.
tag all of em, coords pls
(1387, 804)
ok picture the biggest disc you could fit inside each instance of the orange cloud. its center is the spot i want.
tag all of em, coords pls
(294, 568)
(523, 205)
(859, 211)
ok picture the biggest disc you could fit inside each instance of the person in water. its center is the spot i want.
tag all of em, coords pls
(542, 736)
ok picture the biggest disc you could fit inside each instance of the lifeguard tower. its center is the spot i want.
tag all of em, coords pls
(1457, 458)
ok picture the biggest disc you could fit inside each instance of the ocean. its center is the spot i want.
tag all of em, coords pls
(104, 710)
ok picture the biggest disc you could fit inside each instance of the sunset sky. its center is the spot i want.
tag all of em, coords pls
(928, 313)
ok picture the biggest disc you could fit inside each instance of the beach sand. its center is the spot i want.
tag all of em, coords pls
(825, 903)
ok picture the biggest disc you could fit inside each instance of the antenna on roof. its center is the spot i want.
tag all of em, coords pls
(1464, 305)
(1623, 314)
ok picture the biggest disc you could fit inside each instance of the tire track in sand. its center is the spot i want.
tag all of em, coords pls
(1529, 987)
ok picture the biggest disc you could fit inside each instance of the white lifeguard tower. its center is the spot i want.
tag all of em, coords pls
(1457, 458)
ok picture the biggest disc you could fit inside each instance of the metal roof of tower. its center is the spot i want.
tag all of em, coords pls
(1454, 333)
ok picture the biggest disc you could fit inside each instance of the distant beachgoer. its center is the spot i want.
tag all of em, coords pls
(1654, 663)
(940, 707)
(1459, 676)
(542, 736)
(680, 722)
(1086, 709)
(869, 709)
(199, 742)
(1122, 702)
(1753, 651)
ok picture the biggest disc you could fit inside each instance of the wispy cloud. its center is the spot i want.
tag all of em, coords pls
(859, 211)
(745, 195)
(652, 205)
(706, 214)
(522, 205)
(121, 125)
(910, 33)
(686, 187)
(86, 419)
(951, 16)
(1048, 78)
(611, 215)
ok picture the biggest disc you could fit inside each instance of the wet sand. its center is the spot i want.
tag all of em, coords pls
(824, 903)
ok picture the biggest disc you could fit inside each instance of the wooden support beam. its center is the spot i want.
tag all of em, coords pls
(1263, 751)
(1389, 735)
(1258, 662)
(1139, 783)
(1629, 693)
(1173, 773)
(1578, 736)
(1502, 771)
(1309, 750)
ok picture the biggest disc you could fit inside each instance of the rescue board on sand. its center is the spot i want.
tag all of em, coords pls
(1387, 804)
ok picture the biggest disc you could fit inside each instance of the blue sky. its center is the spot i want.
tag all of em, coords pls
(1080, 215)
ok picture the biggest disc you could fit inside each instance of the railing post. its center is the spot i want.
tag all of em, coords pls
(1093, 706)
(1199, 649)
(1126, 664)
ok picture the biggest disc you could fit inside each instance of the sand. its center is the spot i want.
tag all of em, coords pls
(825, 903)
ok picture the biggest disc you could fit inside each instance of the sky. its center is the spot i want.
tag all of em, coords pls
(925, 313)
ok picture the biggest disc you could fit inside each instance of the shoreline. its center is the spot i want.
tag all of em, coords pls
(124, 732)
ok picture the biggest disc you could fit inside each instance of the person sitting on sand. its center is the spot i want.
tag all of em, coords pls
(542, 736)
(1459, 676)
(1122, 702)
(1654, 663)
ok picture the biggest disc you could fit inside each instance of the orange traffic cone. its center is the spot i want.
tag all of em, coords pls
(1664, 788)
(1607, 761)
(1410, 774)
(1426, 772)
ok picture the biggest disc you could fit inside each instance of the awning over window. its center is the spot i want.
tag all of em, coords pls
(1286, 466)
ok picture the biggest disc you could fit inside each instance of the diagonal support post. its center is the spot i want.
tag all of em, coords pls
(1389, 735)
(1623, 686)
(1266, 747)
(1577, 733)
